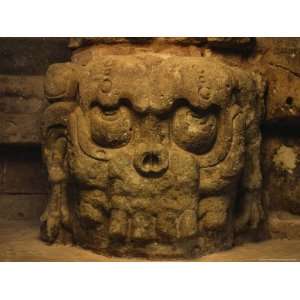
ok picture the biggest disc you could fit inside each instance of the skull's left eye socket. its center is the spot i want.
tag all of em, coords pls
(194, 132)
(111, 127)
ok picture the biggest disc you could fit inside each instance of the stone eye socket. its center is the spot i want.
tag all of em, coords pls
(194, 131)
(110, 127)
(110, 113)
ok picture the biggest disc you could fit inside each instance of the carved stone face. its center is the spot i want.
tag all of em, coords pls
(151, 153)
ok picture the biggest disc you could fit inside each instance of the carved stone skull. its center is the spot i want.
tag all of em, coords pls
(152, 155)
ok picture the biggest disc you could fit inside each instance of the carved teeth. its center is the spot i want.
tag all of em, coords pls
(143, 227)
(166, 224)
(187, 224)
(118, 226)
(171, 226)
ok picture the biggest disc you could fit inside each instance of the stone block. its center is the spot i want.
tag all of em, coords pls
(283, 100)
(281, 168)
(279, 61)
(25, 87)
(238, 43)
(21, 105)
(283, 225)
(31, 56)
(283, 53)
(19, 129)
(1, 173)
(16, 207)
(23, 172)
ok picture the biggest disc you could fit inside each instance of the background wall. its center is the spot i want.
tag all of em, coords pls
(23, 178)
(24, 61)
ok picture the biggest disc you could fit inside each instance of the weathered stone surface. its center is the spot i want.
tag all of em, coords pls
(282, 173)
(23, 183)
(279, 61)
(21, 103)
(1, 173)
(283, 101)
(87, 41)
(21, 88)
(183, 40)
(19, 129)
(16, 207)
(23, 172)
(237, 43)
(283, 225)
(152, 154)
(31, 56)
(283, 53)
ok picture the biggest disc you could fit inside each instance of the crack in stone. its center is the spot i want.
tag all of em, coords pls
(286, 69)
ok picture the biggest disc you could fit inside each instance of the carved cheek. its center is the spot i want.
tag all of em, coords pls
(111, 128)
(193, 131)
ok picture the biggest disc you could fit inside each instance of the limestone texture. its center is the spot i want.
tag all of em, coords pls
(284, 225)
(142, 181)
(282, 171)
(152, 152)
(22, 102)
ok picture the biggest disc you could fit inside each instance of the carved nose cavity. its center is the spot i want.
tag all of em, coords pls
(151, 161)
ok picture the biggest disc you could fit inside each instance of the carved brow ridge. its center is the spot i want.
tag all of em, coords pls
(148, 106)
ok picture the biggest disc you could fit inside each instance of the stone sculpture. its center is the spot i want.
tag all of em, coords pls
(152, 155)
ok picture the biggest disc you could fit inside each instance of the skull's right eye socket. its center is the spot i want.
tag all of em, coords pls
(110, 127)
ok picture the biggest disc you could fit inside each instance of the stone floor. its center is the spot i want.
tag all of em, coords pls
(19, 242)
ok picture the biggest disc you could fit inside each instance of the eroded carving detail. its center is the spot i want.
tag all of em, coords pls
(152, 155)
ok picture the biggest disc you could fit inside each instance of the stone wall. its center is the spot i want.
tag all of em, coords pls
(23, 178)
(279, 60)
(23, 62)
